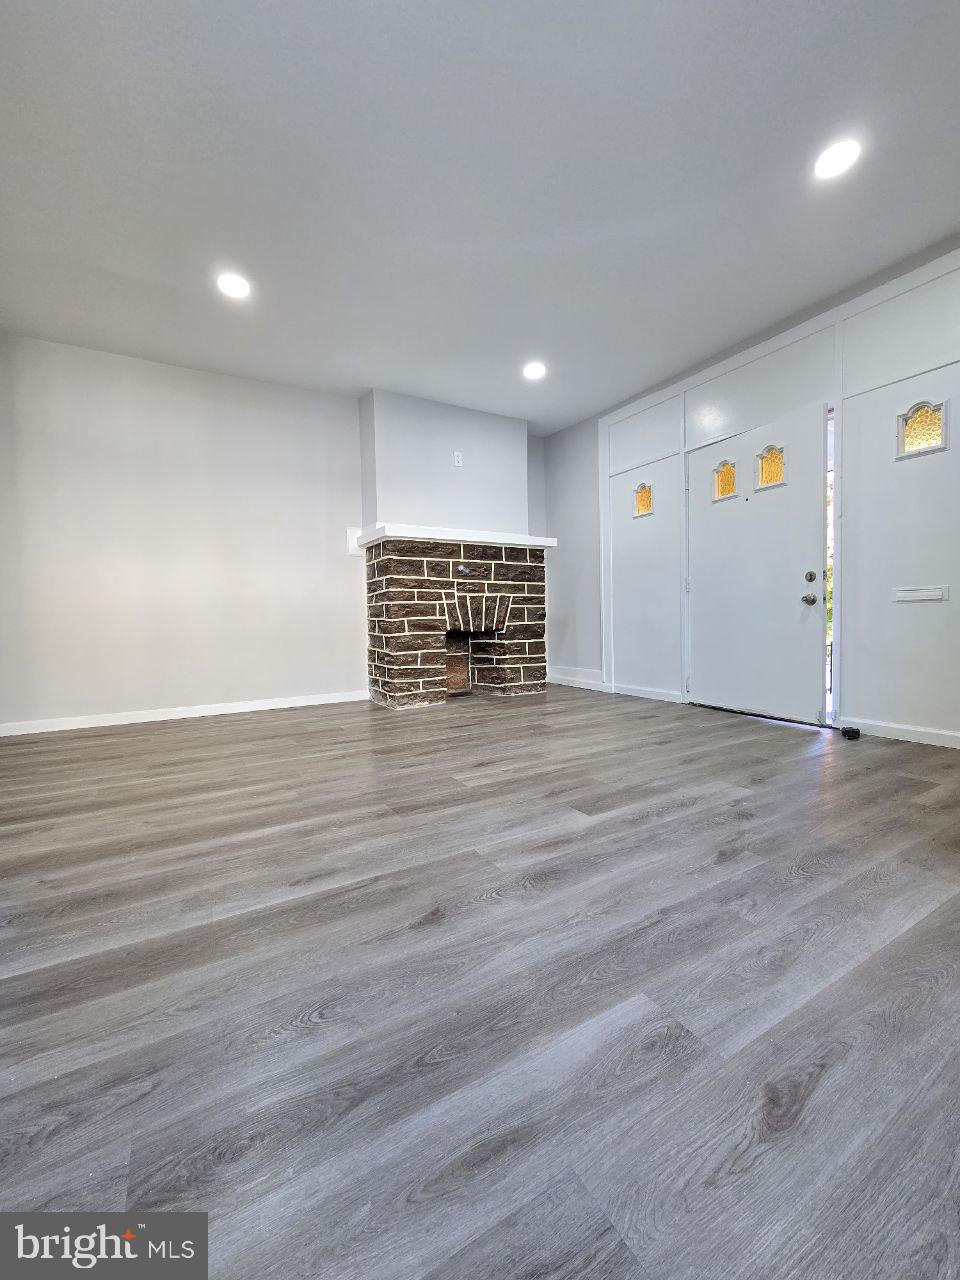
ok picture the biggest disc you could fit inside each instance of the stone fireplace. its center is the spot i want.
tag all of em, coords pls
(446, 618)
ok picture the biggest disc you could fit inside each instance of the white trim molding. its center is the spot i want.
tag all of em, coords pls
(372, 533)
(655, 695)
(15, 728)
(903, 732)
(578, 678)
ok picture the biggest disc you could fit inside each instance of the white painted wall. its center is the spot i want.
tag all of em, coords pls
(886, 654)
(537, 487)
(574, 650)
(171, 538)
(368, 460)
(417, 481)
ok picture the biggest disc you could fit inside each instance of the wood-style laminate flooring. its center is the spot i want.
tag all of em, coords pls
(572, 986)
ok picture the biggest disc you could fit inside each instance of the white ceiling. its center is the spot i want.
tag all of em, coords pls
(427, 193)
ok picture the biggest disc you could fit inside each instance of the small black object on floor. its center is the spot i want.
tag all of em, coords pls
(851, 735)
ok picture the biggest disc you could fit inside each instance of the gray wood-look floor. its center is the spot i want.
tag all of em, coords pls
(573, 986)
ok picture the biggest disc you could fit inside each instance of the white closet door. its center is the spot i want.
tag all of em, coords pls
(757, 551)
(901, 563)
(647, 580)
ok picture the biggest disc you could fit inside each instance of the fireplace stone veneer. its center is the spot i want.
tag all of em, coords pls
(418, 591)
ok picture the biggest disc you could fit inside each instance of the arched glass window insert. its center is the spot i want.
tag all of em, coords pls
(643, 500)
(922, 429)
(724, 481)
(770, 470)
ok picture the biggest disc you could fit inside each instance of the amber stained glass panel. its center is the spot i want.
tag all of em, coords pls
(725, 480)
(771, 467)
(923, 429)
(643, 500)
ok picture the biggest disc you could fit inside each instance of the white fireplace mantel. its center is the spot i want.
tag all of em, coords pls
(377, 532)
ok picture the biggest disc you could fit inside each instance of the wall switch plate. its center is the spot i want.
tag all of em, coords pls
(353, 533)
(457, 459)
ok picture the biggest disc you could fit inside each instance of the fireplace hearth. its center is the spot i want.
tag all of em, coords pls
(446, 618)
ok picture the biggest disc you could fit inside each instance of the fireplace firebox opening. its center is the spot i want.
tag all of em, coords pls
(458, 664)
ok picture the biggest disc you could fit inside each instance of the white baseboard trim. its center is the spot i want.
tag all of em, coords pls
(658, 695)
(14, 728)
(578, 678)
(905, 732)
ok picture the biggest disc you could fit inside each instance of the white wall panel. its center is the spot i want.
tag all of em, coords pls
(762, 390)
(573, 566)
(901, 529)
(647, 578)
(912, 332)
(642, 437)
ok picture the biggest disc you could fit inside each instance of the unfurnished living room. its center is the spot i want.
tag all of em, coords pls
(480, 639)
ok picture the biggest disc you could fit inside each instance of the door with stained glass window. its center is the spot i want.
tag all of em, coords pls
(756, 561)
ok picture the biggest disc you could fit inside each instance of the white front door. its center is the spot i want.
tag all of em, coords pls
(756, 583)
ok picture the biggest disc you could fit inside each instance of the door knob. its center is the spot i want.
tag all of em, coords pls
(809, 599)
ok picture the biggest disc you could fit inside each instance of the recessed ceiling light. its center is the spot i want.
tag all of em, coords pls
(534, 370)
(837, 158)
(233, 285)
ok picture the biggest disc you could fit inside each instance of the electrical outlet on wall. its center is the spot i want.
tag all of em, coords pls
(457, 458)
